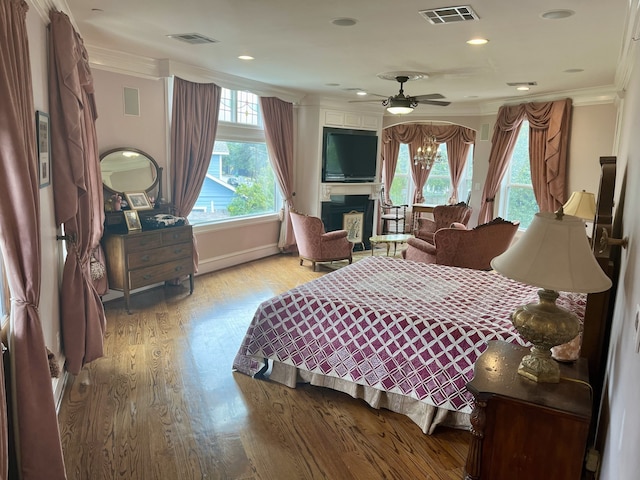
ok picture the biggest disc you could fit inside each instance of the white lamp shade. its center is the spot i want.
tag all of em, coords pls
(581, 204)
(554, 254)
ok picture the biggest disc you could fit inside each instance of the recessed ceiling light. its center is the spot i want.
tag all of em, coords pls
(344, 22)
(478, 41)
(522, 88)
(246, 57)
(361, 93)
(557, 14)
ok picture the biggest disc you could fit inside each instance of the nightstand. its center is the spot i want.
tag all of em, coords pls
(523, 429)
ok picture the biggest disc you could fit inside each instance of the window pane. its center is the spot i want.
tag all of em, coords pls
(239, 182)
(437, 189)
(247, 108)
(402, 185)
(226, 106)
(520, 202)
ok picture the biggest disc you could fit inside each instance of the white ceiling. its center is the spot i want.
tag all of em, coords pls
(296, 47)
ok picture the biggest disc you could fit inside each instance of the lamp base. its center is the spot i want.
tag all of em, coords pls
(545, 325)
(539, 366)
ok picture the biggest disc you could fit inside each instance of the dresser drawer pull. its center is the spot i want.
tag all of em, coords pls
(147, 276)
(177, 269)
(178, 250)
(145, 258)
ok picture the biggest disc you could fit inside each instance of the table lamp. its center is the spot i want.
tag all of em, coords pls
(582, 205)
(554, 255)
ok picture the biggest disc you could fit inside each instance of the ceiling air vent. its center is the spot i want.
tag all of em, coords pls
(192, 38)
(437, 16)
(522, 84)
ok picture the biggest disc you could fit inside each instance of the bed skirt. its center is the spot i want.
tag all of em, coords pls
(427, 417)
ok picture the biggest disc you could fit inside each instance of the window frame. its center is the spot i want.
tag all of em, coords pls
(231, 131)
(502, 196)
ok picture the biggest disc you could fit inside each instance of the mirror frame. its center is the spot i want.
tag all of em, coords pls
(156, 183)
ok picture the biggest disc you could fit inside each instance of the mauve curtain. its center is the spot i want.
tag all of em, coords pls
(77, 189)
(548, 144)
(193, 132)
(457, 138)
(549, 126)
(38, 440)
(278, 129)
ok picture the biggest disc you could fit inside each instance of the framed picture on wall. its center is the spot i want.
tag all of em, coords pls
(138, 201)
(132, 220)
(44, 147)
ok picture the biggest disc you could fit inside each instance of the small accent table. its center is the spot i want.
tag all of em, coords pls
(388, 240)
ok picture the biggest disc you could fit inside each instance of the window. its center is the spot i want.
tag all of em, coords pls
(517, 200)
(240, 182)
(438, 188)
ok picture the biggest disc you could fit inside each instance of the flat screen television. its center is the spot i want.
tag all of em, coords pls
(349, 156)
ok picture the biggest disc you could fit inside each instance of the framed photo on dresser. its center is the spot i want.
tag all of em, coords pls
(138, 201)
(132, 220)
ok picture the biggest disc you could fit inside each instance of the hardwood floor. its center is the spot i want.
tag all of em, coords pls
(163, 402)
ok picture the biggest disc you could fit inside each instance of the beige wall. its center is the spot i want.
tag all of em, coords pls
(51, 249)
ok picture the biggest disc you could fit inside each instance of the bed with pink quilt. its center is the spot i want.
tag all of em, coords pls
(399, 334)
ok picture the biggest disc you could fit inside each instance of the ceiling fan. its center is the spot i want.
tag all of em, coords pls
(402, 104)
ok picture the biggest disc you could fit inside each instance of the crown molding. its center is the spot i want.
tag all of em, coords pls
(121, 62)
(43, 7)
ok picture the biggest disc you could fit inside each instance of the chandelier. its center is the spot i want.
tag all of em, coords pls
(428, 153)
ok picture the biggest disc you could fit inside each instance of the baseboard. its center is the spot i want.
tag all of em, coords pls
(236, 258)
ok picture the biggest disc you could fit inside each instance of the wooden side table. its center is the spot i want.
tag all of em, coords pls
(396, 239)
(523, 429)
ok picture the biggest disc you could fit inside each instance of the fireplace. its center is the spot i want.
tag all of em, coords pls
(332, 214)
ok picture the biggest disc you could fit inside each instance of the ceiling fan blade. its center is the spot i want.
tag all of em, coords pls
(371, 100)
(433, 102)
(429, 96)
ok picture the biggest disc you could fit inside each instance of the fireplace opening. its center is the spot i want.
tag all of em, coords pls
(332, 215)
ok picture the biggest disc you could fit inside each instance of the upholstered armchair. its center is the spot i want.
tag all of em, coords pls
(443, 217)
(316, 245)
(457, 247)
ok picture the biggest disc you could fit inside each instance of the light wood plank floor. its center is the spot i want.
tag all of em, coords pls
(163, 402)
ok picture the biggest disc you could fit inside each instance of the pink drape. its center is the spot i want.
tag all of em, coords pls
(457, 138)
(77, 189)
(549, 126)
(193, 132)
(38, 440)
(278, 129)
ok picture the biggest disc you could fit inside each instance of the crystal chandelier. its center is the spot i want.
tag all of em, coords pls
(428, 153)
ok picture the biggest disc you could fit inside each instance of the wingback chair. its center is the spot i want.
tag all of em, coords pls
(443, 217)
(474, 248)
(316, 245)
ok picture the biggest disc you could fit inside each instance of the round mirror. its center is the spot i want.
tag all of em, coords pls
(129, 170)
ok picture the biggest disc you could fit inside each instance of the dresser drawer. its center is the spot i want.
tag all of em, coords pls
(174, 235)
(159, 273)
(139, 243)
(159, 255)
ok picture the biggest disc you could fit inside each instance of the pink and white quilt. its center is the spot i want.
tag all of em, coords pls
(408, 328)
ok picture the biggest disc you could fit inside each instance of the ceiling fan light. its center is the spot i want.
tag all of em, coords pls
(398, 110)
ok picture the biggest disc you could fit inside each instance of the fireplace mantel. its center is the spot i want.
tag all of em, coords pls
(328, 189)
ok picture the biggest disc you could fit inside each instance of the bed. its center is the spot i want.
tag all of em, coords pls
(399, 334)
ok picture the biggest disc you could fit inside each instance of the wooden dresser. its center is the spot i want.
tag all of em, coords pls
(523, 429)
(138, 259)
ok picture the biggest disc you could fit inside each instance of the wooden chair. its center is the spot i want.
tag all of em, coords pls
(316, 245)
(392, 214)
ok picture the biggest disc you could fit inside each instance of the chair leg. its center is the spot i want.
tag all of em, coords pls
(301, 260)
